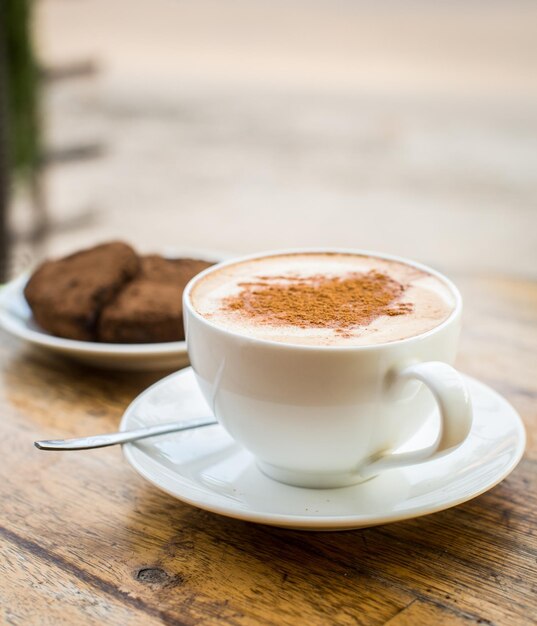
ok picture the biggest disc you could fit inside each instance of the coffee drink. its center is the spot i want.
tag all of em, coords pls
(323, 299)
(311, 361)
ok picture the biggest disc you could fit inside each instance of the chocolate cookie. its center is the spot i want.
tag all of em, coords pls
(150, 309)
(67, 295)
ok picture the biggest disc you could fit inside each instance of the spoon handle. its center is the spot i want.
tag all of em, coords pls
(111, 439)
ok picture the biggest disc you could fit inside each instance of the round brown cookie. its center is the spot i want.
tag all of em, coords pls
(67, 295)
(149, 309)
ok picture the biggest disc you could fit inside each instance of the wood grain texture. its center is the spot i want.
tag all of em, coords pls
(84, 540)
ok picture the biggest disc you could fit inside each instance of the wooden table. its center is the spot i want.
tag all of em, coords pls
(85, 540)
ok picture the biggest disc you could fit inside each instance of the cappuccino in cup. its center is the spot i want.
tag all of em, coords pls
(324, 299)
(323, 363)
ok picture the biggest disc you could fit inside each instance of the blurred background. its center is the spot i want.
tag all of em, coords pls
(242, 125)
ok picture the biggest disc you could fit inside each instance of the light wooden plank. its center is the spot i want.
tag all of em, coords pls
(40, 589)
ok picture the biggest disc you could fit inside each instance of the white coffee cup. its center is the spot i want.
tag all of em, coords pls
(330, 416)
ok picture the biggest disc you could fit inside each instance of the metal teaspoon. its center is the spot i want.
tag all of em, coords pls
(112, 439)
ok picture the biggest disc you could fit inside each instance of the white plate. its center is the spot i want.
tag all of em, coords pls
(207, 469)
(16, 318)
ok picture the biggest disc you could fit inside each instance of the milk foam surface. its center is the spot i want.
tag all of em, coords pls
(431, 298)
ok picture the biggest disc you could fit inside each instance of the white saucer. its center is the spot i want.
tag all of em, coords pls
(207, 469)
(16, 318)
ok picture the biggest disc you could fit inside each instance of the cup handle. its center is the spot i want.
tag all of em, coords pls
(454, 404)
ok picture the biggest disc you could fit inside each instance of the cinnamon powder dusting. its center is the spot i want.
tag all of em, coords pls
(338, 302)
